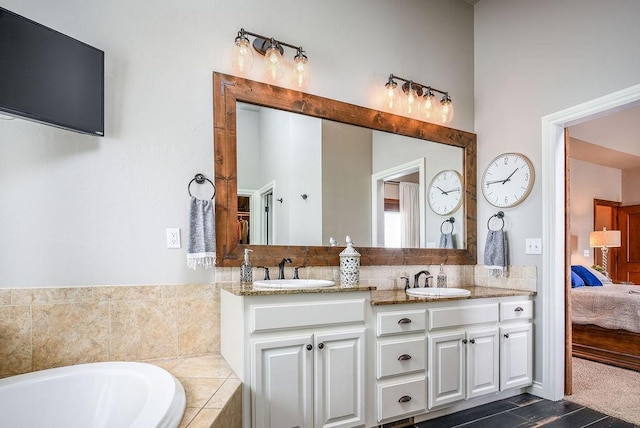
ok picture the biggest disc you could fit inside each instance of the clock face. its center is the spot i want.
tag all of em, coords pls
(445, 192)
(508, 180)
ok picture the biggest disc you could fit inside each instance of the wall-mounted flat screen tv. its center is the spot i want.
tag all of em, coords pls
(49, 77)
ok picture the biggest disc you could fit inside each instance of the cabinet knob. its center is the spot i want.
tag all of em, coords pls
(320, 345)
(309, 347)
(518, 309)
(404, 321)
(506, 335)
(404, 399)
(404, 357)
(472, 341)
(464, 341)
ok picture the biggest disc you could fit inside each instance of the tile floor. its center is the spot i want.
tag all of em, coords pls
(527, 411)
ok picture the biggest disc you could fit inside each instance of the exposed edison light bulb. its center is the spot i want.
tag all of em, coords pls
(429, 105)
(391, 98)
(242, 60)
(273, 62)
(300, 73)
(446, 109)
(412, 100)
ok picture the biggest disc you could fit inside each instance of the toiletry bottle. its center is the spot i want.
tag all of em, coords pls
(441, 278)
(246, 270)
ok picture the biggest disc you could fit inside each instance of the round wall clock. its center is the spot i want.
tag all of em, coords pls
(508, 180)
(445, 192)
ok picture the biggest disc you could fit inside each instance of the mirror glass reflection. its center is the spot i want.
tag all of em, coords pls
(309, 181)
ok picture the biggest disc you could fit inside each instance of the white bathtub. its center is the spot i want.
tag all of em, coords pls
(97, 395)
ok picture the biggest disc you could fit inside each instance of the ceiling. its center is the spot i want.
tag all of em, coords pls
(612, 140)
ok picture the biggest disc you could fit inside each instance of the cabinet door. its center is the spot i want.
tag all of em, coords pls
(446, 368)
(482, 362)
(516, 356)
(339, 377)
(282, 379)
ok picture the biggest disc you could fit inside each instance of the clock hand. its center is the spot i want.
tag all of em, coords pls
(505, 180)
(510, 175)
(496, 181)
(443, 192)
(457, 189)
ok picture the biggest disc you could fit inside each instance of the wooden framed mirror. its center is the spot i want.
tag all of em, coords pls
(230, 90)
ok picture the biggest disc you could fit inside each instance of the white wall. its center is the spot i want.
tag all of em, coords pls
(534, 58)
(588, 182)
(81, 210)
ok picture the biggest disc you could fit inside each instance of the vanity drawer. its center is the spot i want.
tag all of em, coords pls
(402, 398)
(301, 315)
(462, 315)
(401, 357)
(519, 310)
(401, 322)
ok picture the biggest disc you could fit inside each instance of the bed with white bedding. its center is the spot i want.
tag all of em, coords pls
(606, 324)
(612, 306)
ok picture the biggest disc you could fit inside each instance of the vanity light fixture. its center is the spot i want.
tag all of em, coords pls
(272, 50)
(419, 98)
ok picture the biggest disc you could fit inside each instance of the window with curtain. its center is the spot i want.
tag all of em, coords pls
(409, 215)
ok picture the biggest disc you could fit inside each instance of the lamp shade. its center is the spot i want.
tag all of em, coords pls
(605, 238)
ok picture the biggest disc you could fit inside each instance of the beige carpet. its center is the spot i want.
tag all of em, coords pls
(610, 390)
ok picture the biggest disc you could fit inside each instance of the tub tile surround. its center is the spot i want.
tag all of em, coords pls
(51, 327)
(213, 391)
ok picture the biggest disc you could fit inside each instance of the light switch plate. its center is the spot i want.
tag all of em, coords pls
(534, 246)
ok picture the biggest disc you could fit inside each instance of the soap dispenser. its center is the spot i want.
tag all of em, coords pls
(441, 278)
(349, 265)
(246, 270)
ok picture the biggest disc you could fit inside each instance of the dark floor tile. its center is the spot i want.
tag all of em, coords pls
(611, 422)
(468, 415)
(524, 399)
(502, 420)
(580, 418)
(545, 409)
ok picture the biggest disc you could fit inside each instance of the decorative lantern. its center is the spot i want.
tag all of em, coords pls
(349, 265)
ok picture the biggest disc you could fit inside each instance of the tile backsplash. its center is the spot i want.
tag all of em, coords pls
(43, 328)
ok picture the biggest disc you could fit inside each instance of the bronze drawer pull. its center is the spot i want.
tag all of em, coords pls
(518, 309)
(404, 399)
(404, 357)
(404, 321)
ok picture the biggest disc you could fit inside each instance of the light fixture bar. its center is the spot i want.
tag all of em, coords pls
(419, 87)
(264, 39)
(419, 99)
(272, 50)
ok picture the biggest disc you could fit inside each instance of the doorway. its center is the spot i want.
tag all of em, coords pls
(555, 276)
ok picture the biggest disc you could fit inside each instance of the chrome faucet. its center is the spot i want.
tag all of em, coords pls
(281, 267)
(416, 279)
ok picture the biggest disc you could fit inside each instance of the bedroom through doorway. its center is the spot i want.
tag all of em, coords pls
(594, 167)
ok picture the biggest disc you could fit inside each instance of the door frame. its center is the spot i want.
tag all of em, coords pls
(554, 276)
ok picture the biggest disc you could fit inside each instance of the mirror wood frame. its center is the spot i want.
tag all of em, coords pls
(227, 90)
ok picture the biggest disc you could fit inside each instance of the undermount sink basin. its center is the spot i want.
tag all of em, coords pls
(293, 283)
(438, 292)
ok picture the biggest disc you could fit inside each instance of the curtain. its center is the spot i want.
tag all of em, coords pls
(409, 215)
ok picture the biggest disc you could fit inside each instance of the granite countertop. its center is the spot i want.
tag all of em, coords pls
(394, 297)
(250, 290)
(378, 297)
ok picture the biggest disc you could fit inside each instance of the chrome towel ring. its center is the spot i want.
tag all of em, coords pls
(200, 179)
(500, 216)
